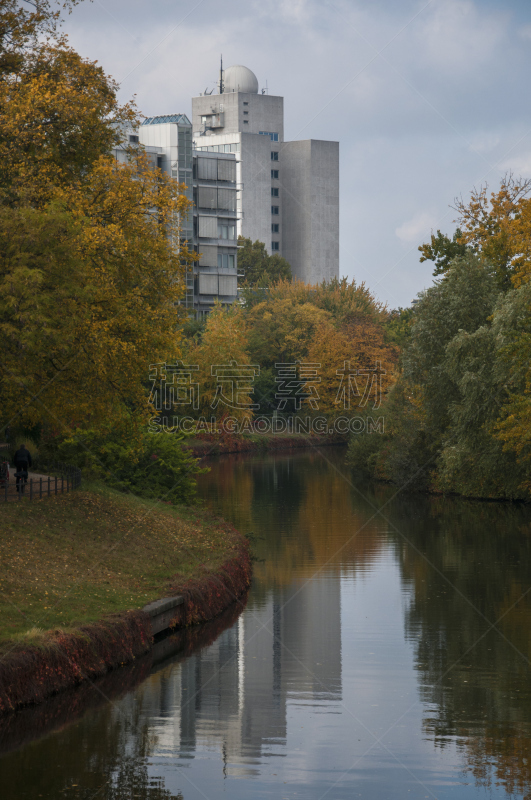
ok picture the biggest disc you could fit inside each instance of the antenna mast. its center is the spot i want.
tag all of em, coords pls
(221, 86)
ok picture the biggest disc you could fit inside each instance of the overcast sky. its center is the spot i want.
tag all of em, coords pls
(427, 99)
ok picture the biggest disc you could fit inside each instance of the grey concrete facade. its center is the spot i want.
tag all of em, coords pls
(310, 208)
(238, 112)
(288, 192)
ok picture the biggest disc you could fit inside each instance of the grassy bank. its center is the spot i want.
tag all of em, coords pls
(74, 559)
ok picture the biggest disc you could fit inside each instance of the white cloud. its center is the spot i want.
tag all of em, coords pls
(415, 228)
(520, 165)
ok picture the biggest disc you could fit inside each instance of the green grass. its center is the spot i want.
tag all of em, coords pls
(74, 558)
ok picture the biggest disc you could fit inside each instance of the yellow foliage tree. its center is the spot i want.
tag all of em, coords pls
(336, 325)
(224, 378)
(91, 260)
(356, 368)
(89, 292)
(499, 227)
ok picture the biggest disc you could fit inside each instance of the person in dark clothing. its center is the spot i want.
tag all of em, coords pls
(22, 461)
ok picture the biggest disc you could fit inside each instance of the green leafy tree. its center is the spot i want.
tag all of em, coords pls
(399, 324)
(511, 330)
(442, 250)
(463, 301)
(473, 461)
(153, 464)
(260, 269)
(431, 409)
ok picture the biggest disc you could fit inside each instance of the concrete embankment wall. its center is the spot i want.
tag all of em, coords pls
(31, 673)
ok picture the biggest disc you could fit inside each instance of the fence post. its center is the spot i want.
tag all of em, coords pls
(48, 485)
(5, 489)
(56, 484)
(62, 483)
(67, 487)
(31, 488)
(40, 488)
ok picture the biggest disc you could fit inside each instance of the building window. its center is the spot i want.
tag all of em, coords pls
(274, 173)
(273, 136)
(221, 148)
(275, 227)
(133, 138)
(274, 191)
(226, 261)
(226, 231)
(246, 122)
(274, 155)
(275, 246)
(245, 103)
(274, 210)
(245, 112)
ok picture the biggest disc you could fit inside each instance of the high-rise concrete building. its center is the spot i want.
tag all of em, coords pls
(288, 192)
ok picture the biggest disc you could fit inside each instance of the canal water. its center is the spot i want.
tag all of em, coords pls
(384, 652)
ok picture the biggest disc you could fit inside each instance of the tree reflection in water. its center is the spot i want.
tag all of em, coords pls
(468, 567)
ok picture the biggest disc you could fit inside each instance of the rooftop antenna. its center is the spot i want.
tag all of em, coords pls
(266, 90)
(221, 85)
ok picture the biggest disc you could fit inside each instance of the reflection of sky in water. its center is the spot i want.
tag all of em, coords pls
(356, 670)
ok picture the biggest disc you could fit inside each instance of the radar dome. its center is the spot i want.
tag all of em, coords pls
(240, 79)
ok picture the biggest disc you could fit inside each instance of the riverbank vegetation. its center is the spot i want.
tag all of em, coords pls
(459, 416)
(75, 559)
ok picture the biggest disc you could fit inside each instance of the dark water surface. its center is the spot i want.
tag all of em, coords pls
(380, 655)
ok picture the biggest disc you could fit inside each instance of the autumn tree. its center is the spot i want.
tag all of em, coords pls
(327, 324)
(89, 287)
(91, 259)
(498, 227)
(58, 112)
(223, 345)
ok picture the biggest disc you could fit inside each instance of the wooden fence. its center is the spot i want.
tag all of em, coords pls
(65, 479)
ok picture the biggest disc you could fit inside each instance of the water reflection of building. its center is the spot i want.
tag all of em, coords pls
(235, 693)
